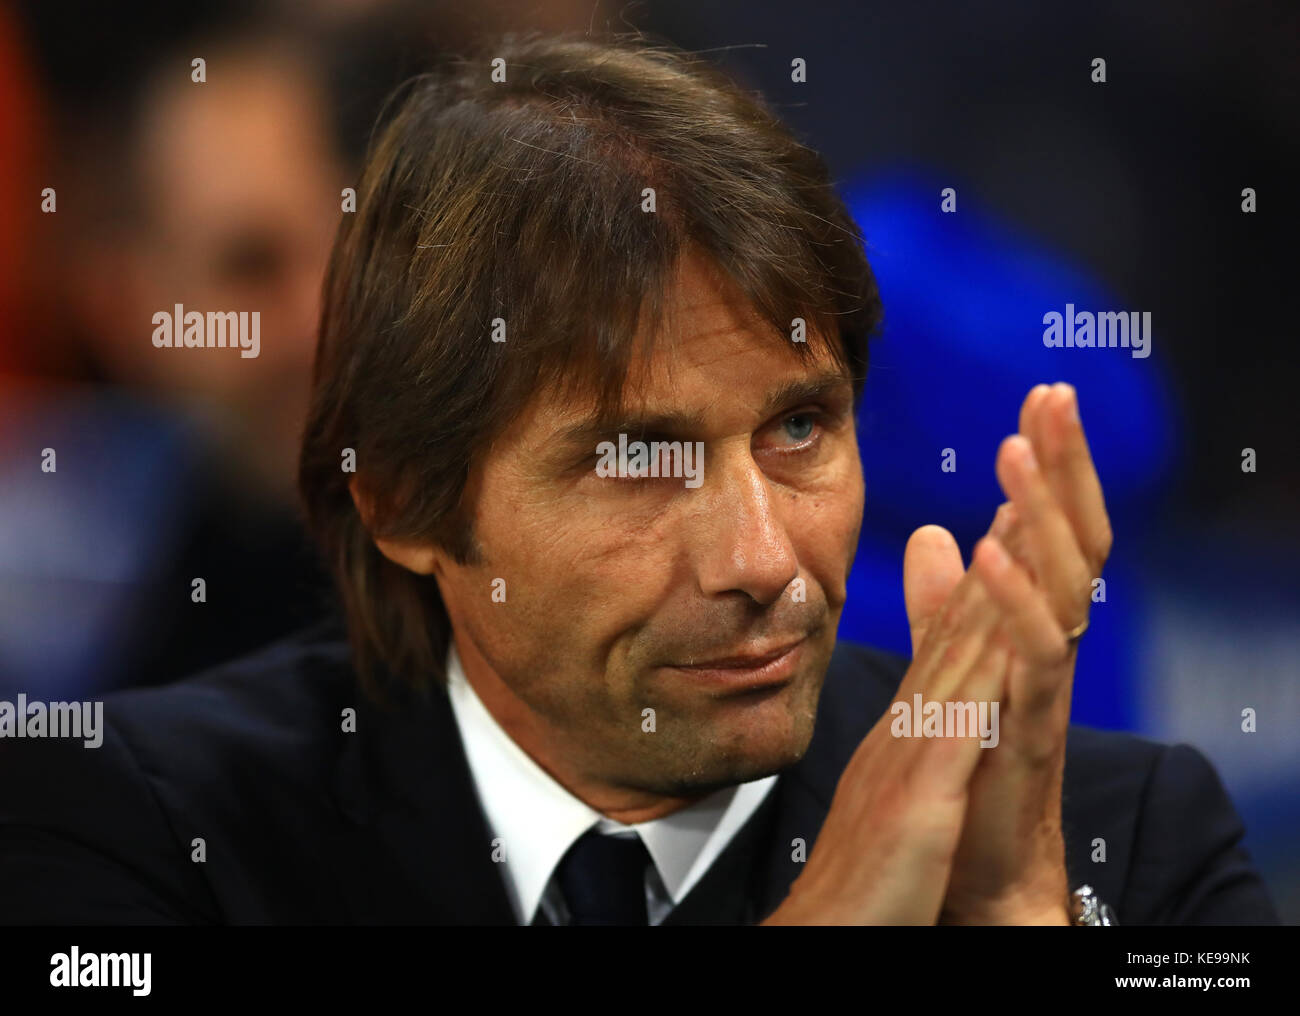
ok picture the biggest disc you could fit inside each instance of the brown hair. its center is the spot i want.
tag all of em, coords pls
(522, 200)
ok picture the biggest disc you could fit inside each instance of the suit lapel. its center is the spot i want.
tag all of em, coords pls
(728, 892)
(413, 845)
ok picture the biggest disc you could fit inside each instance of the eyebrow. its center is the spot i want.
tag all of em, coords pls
(677, 425)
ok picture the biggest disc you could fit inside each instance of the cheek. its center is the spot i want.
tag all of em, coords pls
(825, 527)
(577, 575)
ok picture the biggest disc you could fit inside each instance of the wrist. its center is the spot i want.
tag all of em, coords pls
(1048, 905)
(1051, 915)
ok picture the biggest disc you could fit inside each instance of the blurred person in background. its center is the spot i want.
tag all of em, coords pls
(221, 194)
(173, 464)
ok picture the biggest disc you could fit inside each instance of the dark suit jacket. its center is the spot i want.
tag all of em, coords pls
(303, 823)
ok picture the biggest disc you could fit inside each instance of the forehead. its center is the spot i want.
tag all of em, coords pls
(713, 362)
(707, 322)
(250, 138)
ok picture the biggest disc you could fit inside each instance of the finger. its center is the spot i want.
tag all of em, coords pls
(955, 639)
(988, 678)
(1029, 410)
(1006, 527)
(1026, 614)
(932, 567)
(1003, 520)
(946, 765)
(1058, 565)
(1062, 449)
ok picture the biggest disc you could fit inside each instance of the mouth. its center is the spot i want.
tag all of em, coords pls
(745, 672)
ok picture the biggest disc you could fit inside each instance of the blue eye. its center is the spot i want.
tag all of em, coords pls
(804, 424)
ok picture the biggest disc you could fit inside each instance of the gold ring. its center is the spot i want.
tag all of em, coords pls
(1074, 634)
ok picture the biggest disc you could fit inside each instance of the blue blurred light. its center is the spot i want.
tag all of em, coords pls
(964, 299)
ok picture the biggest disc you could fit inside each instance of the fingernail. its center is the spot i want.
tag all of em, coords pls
(1074, 405)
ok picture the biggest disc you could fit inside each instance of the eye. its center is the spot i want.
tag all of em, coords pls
(251, 257)
(800, 426)
(799, 433)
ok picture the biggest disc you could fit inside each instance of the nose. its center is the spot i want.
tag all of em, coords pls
(742, 544)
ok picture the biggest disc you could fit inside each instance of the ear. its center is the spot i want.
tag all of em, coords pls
(421, 558)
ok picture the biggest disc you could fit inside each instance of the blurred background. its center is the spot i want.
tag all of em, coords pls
(125, 472)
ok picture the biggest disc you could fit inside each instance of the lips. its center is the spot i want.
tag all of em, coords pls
(741, 661)
(743, 672)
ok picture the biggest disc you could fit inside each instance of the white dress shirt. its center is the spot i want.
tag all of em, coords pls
(537, 820)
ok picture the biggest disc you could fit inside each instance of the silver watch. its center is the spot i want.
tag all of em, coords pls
(1087, 909)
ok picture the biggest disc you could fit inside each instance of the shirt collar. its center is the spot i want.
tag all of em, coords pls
(537, 820)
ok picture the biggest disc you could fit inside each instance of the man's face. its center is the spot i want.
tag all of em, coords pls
(615, 587)
(242, 182)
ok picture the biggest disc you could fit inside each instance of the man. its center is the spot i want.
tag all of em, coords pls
(582, 456)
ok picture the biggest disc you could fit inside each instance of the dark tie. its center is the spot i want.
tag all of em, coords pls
(603, 880)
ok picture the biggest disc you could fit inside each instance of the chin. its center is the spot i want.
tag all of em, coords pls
(760, 739)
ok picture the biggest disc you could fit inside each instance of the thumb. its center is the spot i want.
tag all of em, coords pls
(932, 567)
